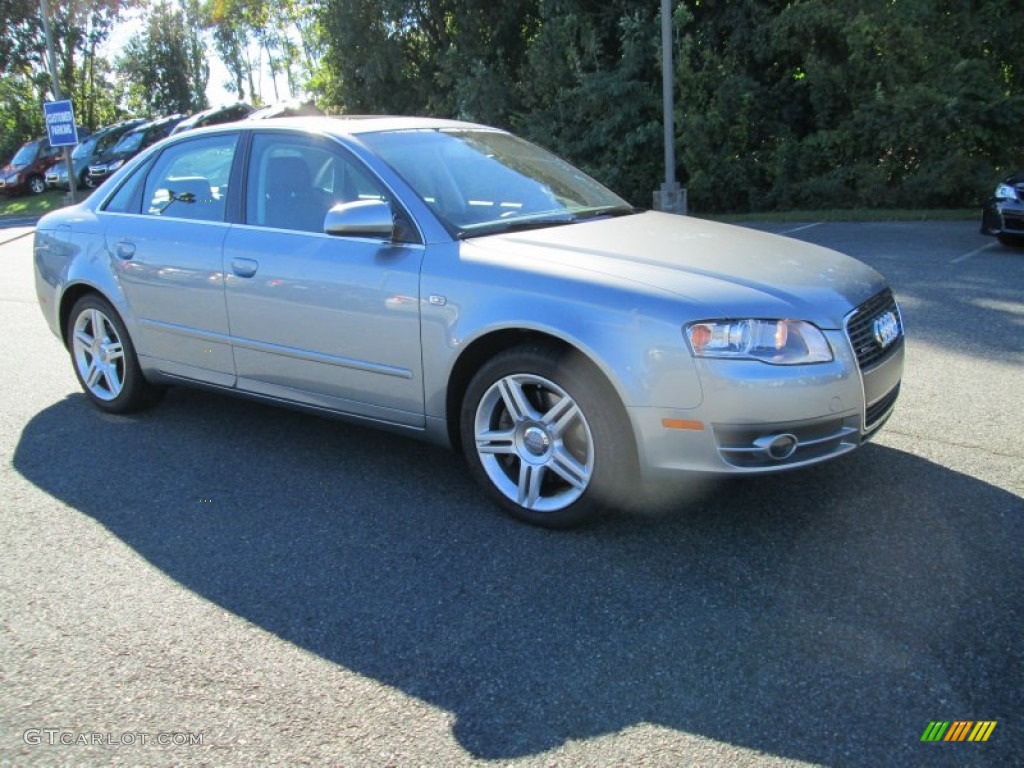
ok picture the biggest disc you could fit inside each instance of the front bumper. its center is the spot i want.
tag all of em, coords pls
(758, 418)
(1003, 217)
(53, 181)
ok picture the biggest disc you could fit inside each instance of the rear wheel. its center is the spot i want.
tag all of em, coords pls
(544, 434)
(104, 358)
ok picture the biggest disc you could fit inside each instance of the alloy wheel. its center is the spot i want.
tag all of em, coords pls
(99, 354)
(534, 442)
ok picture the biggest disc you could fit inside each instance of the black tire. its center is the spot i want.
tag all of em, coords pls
(36, 185)
(88, 181)
(104, 359)
(546, 436)
(1011, 241)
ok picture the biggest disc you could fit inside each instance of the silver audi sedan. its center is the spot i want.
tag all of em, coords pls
(452, 282)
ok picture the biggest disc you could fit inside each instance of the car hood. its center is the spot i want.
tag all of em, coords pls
(722, 270)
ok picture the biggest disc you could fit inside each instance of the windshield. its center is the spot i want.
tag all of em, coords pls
(129, 143)
(26, 154)
(482, 181)
(84, 150)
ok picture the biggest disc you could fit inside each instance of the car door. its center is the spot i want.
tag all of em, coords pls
(165, 231)
(323, 320)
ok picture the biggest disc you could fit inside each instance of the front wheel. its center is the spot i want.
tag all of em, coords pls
(545, 435)
(1011, 241)
(36, 185)
(104, 358)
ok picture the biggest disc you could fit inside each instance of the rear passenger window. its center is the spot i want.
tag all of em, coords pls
(190, 179)
(126, 199)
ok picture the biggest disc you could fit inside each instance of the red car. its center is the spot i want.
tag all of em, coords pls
(27, 170)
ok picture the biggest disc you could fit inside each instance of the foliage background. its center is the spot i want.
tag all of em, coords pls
(781, 104)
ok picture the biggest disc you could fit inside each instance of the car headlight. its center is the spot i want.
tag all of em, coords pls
(114, 166)
(779, 342)
(1006, 192)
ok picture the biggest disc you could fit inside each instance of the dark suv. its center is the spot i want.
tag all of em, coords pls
(88, 150)
(227, 113)
(27, 170)
(130, 145)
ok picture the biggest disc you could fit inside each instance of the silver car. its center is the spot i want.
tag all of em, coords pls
(452, 282)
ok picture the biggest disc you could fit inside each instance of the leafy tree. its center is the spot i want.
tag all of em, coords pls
(780, 103)
(78, 30)
(458, 58)
(865, 103)
(231, 39)
(592, 90)
(165, 65)
(21, 112)
(284, 32)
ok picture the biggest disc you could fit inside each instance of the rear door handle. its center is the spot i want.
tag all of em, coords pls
(125, 249)
(244, 267)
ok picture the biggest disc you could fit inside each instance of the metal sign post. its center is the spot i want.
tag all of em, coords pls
(62, 114)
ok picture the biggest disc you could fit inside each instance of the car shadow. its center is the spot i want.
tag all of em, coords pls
(826, 615)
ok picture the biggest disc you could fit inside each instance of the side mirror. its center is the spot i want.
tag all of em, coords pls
(362, 218)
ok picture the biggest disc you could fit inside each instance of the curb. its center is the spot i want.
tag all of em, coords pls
(19, 221)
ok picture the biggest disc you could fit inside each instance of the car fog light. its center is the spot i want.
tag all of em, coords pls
(779, 447)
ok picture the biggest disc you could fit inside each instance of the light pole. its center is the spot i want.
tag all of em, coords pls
(671, 197)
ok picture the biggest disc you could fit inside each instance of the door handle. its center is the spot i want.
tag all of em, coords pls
(125, 249)
(244, 267)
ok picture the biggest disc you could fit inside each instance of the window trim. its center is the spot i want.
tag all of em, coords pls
(140, 176)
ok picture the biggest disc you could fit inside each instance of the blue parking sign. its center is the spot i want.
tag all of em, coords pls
(60, 123)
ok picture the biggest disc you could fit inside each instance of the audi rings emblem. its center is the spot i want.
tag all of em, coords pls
(887, 329)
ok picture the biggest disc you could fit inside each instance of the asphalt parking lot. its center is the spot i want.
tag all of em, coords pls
(216, 582)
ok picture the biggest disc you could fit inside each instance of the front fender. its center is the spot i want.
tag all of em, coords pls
(633, 335)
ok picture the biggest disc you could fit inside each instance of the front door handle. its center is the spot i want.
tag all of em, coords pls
(244, 267)
(125, 249)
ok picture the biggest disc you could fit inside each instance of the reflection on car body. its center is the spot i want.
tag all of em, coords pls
(452, 282)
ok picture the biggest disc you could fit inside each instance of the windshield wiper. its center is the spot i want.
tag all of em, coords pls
(567, 217)
(606, 210)
(516, 225)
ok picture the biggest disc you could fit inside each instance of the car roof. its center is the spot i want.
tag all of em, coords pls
(159, 122)
(350, 125)
(123, 126)
(215, 111)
